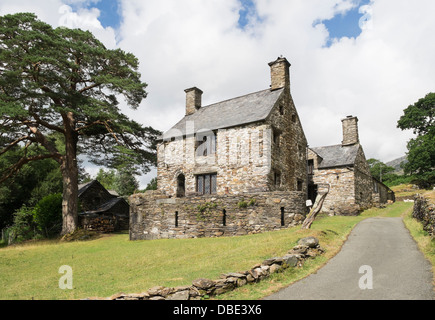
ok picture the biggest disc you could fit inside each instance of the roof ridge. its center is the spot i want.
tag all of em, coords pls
(242, 96)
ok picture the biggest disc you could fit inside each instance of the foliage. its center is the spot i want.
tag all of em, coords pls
(242, 204)
(66, 82)
(420, 117)
(152, 185)
(380, 170)
(396, 180)
(122, 181)
(24, 227)
(34, 181)
(47, 215)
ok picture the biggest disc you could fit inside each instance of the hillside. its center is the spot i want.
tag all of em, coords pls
(396, 164)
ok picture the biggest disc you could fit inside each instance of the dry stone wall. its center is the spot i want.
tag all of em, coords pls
(424, 211)
(154, 216)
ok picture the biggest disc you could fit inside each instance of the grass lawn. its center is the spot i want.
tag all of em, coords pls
(114, 264)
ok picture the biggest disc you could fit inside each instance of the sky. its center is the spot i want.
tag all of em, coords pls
(366, 58)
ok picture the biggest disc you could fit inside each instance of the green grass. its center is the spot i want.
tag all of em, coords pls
(114, 264)
(425, 243)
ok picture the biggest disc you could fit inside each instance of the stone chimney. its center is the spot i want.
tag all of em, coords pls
(193, 100)
(280, 73)
(350, 131)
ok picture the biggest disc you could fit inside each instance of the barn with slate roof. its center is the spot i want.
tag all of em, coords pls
(101, 209)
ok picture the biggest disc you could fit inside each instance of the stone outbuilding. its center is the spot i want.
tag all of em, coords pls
(102, 210)
(230, 168)
(343, 171)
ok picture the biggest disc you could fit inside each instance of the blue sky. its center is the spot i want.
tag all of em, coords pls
(342, 25)
(345, 25)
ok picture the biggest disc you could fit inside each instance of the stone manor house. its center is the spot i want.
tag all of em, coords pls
(232, 168)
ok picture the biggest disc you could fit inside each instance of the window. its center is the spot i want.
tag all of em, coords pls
(277, 179)
(282, 217)
(206, 184)
(281, 110)
(300, 185)
(181, 186)
(205, 144)
(176, 219)
(310, 166)
(224, 218)
(376, 187)
(276, 138)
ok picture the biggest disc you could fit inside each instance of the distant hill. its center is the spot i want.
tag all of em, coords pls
(396, 164)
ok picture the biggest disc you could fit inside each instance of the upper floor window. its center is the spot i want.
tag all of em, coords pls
(277, 179)
(276, 137)
(310, 164)
(205, 144)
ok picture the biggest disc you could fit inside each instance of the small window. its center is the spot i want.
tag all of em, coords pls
(294, 118)
(282, 217)
(277, 179)
(300, 185)
(206, 184)
(281, 110)
(276, 138)
(310, 164)
(176, 219)
(224, 218)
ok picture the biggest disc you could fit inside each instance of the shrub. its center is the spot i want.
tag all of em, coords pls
(47, 215)
(24, 227)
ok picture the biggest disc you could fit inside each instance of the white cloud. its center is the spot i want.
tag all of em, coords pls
(188, 43)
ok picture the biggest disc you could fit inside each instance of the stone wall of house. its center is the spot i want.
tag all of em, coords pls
(340, 183)
(155, 216)
(288, 156)
(381, 194)
(241, 161)
(363, 182)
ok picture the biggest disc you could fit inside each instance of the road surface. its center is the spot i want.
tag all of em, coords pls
(379, 261)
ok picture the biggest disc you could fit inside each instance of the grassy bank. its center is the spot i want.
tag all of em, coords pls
(114, 264)
(425, 243)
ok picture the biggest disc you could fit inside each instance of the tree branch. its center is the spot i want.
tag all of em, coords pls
(12, 170)
(14, 143)
(90, 87)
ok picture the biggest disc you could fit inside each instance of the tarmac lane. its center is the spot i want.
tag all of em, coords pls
(379, 261)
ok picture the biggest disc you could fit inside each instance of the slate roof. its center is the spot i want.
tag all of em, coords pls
(85, 186)
(106, 206)
(337, 155)
(246, 109)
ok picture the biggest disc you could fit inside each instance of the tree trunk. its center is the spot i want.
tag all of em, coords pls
(70, 179)
(314, 211)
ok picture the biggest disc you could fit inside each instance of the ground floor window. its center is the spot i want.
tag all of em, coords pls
(206, 184)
